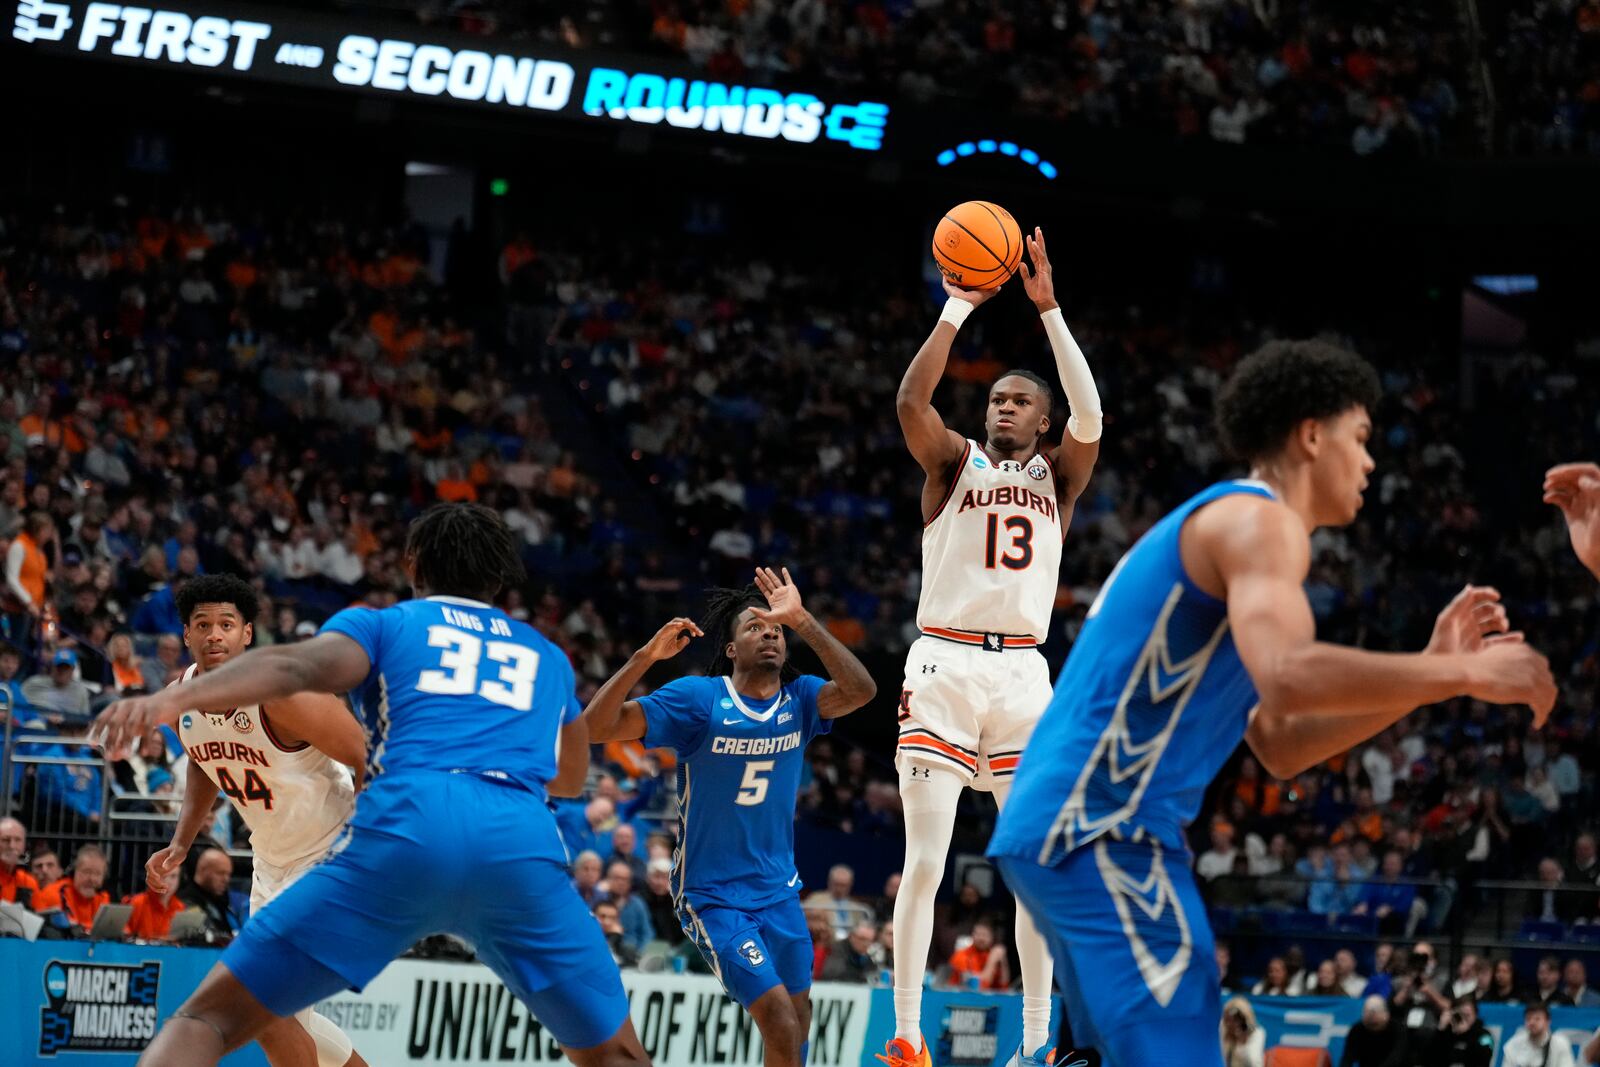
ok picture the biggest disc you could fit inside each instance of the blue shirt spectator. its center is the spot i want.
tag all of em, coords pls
(158, 613)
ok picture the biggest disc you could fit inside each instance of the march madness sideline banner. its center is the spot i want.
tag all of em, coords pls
(75, 1003)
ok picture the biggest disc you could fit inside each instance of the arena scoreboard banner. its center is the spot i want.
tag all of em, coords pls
(347, 53)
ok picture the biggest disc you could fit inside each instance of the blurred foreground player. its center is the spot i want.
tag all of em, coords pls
(288, 774)
(741, 735)
(1201, 636)
(466, 711)
(994, 516)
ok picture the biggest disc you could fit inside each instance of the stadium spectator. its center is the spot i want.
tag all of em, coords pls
(981, 963)
(207, 889)
(61, 695)
(79, 895)
(1224, 957)
(153, 911)
(1340, 893)
(883, 908)
(28, 569)
(167, 665)
(851, 960)
(127, 666)
(835, 901)
(11, 679)
(45, 866)
(16, 884)
(1217, 861)
(1275, 981)
(1392, 902)
(1416, 1003)
(625, 849)
(1502, 988)
(637, 930)
(1325, 982)
(1546, 988)
(1461, 1040)
(1575, 984)
(822, 940)
(1244, 1042)
(623, 950)
(1468, 982)
(1376, 1040)
(658, 898)
(1536, 1045)
(586, 873)
(1554, 903)
(1350, 980)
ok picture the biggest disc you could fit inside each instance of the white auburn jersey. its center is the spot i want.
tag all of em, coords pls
(991, 553)
(295, 799)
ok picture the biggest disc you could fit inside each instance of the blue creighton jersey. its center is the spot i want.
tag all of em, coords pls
(458, 685)
(739, 764)
(1152, 701)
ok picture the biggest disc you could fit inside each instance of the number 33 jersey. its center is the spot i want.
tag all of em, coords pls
(991, 553)
(294, 799)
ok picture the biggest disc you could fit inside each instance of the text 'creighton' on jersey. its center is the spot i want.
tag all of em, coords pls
(459, 685)
(739, 766)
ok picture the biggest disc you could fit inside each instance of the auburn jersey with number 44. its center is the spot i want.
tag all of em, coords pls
(294, 799)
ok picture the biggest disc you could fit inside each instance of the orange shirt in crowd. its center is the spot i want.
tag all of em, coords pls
(53, 433)
(151, 919)
(971, 961)
(455, 490)
(431, 444)
(64, 895)
(17, 878)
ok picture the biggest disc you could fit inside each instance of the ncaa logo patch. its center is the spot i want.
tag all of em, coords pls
(979, 462)
(1038, 472)
(752, 953)
(186, 721)
(726, 704)
(241, 722)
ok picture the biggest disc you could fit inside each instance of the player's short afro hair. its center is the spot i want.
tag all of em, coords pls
(1284, 383)
(1038, 381)
(218, 589)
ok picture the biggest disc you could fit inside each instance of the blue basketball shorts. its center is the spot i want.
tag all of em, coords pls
(752, 952)
(434, 853)
(1134, 954)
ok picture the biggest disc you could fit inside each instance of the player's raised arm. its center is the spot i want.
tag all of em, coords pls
(850, 684)
(324, 722)
(933, 444)
(611, 716)
(1080, 445)
(327, 663)
(1319, 699)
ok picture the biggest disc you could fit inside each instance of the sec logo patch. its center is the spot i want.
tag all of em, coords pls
(1038, 472)
(241, 721)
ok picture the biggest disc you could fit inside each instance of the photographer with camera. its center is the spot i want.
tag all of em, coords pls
(1244, 1043)
(1462, 1040)
(1416, 1003)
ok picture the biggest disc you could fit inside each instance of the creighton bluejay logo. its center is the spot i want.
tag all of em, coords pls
(752, 953)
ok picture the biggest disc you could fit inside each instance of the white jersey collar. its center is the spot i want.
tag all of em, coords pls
(758, 716)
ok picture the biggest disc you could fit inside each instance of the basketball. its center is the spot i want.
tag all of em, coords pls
(977, 245)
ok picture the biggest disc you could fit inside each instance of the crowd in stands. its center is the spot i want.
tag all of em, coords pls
(192, 391)
(1547, 58)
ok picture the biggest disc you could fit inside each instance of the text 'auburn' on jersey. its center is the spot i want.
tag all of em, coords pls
(991, 553)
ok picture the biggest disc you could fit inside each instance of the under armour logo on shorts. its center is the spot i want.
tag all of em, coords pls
(921, 772)
(930, 668)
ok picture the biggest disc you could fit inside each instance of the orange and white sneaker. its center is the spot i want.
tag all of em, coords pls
(899, 1053)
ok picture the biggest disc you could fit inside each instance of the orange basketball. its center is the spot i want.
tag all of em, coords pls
(977, 245)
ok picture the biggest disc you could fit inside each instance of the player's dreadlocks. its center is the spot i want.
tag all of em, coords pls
(217, 589)
(463, 550)
(723, 608)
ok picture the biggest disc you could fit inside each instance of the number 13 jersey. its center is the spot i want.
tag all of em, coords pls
(294, 799)
(991, 553)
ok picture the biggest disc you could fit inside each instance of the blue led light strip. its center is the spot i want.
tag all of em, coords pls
(1004, 148)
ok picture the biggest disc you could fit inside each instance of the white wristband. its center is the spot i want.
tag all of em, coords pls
(956, 311)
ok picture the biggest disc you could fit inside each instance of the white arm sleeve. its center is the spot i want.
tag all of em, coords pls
(1082, 396)
(14, 559)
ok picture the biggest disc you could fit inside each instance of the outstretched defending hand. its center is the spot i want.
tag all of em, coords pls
(1467, 620)
(783, 599)
(120, 726)
(671, 639)
(1040, 281)
(1575, 489)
